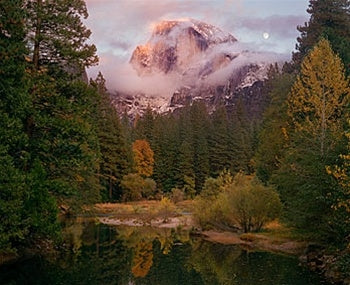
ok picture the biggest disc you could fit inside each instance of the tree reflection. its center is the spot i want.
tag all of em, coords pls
(215, 262)
(143, 259)
(100, 254)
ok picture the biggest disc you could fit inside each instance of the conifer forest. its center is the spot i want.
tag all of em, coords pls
(65, 147)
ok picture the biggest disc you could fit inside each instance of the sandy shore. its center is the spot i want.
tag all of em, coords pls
(186, 222)
(251, 241)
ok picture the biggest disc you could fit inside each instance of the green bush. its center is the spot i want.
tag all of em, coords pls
(189, 187)
(343, 264)
(136, 188)
(250, 204)
(242, 202)
(214, 186)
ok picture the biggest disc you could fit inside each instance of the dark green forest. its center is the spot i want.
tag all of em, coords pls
(64, 146)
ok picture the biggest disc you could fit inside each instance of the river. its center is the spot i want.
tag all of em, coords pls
(101, 254)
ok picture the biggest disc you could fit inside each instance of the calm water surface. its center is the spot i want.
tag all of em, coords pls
(100, 254)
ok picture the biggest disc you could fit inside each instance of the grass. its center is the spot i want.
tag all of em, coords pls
(140, 207)
(144, 211)
(278, 232)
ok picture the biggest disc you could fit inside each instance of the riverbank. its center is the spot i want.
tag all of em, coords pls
(275, 237)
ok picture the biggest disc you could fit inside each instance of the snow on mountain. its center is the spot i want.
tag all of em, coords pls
(176, 46)
(194, 59)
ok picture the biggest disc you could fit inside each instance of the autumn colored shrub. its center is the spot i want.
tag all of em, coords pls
(242, 203)
(166, 209)
(177, 195)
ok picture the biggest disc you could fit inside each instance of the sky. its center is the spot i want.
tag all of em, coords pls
(118, 26)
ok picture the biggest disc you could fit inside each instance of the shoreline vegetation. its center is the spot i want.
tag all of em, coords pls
(275, 237)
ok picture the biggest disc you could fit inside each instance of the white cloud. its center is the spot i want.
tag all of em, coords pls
(118, 26)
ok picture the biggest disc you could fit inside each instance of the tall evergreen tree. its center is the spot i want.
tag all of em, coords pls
(241, 136)
(220, 148)
(19, 220)
(200, 125)
(329, 19)
(61, 130)
(57, 35)
(186, 167)
(185, 146)
(115, 156)
(145, 126)
(13, 108)
(341, 206)
(165, 145)
(62, 135)
(273, 137)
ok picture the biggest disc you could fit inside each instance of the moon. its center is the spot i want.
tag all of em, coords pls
(266, 35)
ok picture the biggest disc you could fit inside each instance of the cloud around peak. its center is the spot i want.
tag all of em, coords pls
(119, 26)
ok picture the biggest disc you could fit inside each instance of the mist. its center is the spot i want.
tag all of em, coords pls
(124, 78)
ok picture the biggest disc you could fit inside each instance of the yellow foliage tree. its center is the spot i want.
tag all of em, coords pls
(143, 157)
(317, 110)
(318, 97)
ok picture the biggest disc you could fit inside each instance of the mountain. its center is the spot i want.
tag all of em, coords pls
(196, 61)
(177, 46)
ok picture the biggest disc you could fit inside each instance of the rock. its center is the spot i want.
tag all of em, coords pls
(303, 259)
(200, 62)
(174, 45)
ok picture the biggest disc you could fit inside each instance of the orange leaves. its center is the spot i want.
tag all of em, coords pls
(143, 157)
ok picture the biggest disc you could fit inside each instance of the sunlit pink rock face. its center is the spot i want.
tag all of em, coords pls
(177, 46)
(188, 60)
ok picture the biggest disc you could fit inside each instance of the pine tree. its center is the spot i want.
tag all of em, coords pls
(329, 19)
(58, 36)
(185, 144)
(62, 137)
(165, 145)
(241, 139)
(316, 108)
(12, 195)
(341, 206)
(220, 148)
(144, 126)
(185, 162)
(200, 125)
(115, 160)
(19, 220)
(273, 138)
(61, 129)
(14, 102)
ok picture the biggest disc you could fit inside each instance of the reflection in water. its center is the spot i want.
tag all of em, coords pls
(142, 259)
(215, 262)
(100, 254)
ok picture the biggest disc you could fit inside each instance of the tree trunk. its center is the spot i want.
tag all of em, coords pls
(37, 35)
(110, 186)
(323, 121)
